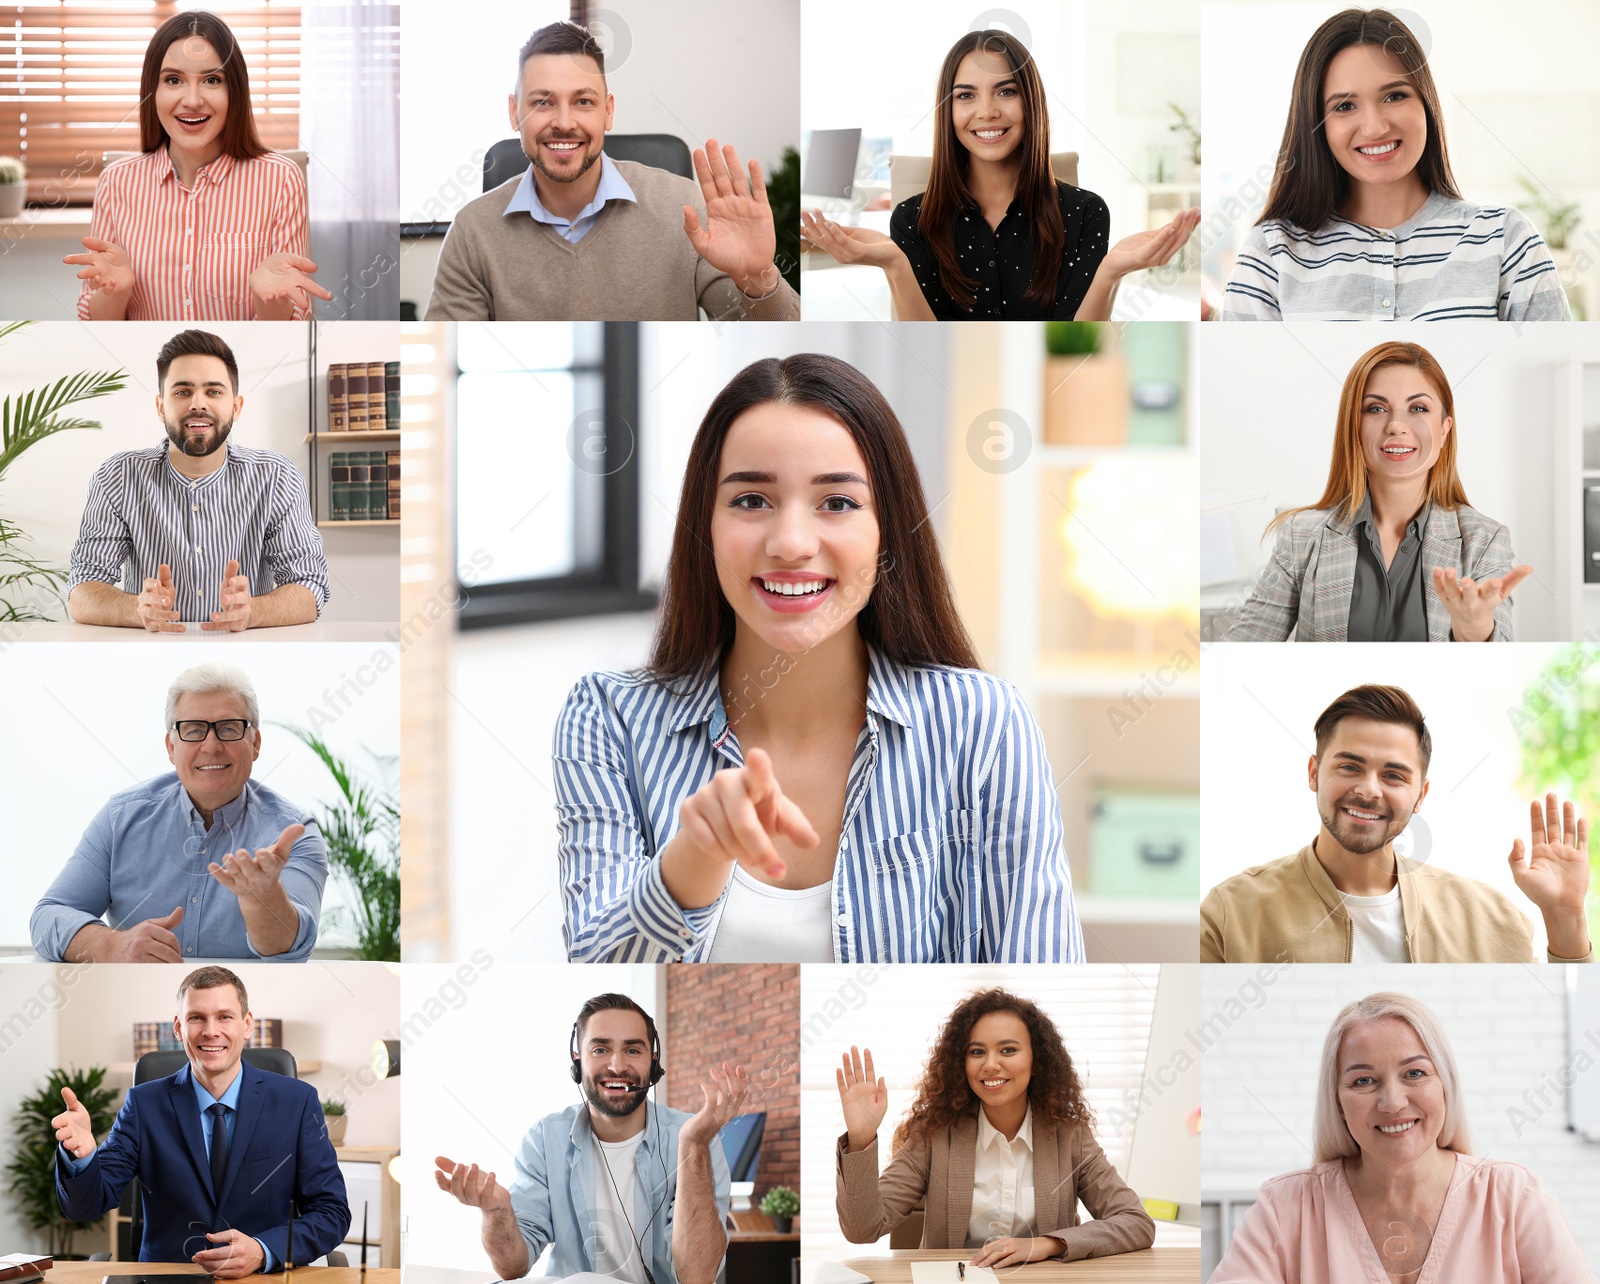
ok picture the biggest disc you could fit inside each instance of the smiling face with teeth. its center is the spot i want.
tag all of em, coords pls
(214, 1029)
(1369, 778)
(214, 772)
(1374, 120)
(1000, 1066)
(197, 406)
(1390, 1093)
(191, 99)
(986, 107)
(562, 112)
(614, 1052)
(1403, 425)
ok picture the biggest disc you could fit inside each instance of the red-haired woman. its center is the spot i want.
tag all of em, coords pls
(812, 768)
(204, 223)
(995, 236)
(998, 1146)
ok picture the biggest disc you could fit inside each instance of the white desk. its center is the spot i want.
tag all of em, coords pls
(317, 631)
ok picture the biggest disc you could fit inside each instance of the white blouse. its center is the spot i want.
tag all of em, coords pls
(1002, 1183)
(765, 924)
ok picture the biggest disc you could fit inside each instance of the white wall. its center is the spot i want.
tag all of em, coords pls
(1262, 1030)
(44, 491)
(485, 1057)
(730, 72)
(92, 720)
(1261, 702)
(30, 999)
(1269, 402)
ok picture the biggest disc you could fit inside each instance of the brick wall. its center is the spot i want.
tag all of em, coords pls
(747, 1014)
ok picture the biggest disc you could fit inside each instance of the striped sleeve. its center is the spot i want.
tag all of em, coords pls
(1029, 914)
(102, 224)
(287, 231)
(1530, 286)
(617, 907)
(1252, 290)
(292, 547)
(104, 544)
(1273, 607)
(1496, 559)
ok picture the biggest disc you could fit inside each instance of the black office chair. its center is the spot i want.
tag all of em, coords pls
(506, 160)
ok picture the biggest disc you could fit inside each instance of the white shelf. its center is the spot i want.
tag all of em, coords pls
(1111, 909)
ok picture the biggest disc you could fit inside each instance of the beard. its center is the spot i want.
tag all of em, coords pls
(1360, 839)
(616, 1109)
(198, 447)
(591, 156)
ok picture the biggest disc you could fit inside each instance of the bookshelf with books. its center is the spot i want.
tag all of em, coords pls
(356, 456)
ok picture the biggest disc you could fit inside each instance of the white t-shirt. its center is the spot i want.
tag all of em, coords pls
(765, 924)
(1377, 928)
(1002, 1183)
(616, 1253)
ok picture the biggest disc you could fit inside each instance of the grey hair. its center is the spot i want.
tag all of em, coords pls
(204, 679)
(1330, 1135)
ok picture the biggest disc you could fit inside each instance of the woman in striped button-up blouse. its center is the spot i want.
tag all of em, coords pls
(812, 767)
(204, 223)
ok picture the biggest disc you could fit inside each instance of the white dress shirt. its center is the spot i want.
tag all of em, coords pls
(1002, 1183)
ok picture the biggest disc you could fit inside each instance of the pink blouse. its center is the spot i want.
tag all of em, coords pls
(1497, 1227)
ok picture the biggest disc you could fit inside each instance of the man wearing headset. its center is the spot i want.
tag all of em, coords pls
(622, 1187)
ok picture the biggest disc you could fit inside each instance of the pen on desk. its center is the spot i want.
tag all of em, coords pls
(961, 1270)
(363, 1242)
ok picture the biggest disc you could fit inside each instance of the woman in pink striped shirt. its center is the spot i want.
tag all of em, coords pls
(205, 224)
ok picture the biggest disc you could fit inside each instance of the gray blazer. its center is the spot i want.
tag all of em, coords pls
(1305, 588)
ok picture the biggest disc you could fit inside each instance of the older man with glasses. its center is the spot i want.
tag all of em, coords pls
(200, 863)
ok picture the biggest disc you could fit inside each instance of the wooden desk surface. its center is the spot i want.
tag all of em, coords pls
(755, 1227)
(94, 1272)
(1150, 1266)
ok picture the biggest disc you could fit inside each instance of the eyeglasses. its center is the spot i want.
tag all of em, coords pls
(194, 731)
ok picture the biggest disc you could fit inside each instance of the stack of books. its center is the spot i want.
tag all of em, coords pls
(364, 485)
(364, 396)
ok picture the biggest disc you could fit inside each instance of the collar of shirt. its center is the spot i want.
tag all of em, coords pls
(582, 1130)
(989, 1135)
(184, 479)
(613, 187)
(1414, 527)
(212, 171)
(230, 814)
(1431, 208)
(229, 1098)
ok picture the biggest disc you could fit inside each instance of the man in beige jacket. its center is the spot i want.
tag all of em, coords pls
(1347, 897)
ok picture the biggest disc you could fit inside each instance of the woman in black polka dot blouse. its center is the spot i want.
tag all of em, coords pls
(995, 236)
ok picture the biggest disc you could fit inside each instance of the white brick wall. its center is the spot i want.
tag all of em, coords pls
(1507, 1024)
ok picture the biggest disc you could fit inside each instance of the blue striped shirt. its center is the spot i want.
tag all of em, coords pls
(142, 512)
(951, 847)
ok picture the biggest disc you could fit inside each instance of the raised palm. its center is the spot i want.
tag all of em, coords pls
(864, 1097)
(849, 244)
(1554, 875)
(738, 237)
(105, 266)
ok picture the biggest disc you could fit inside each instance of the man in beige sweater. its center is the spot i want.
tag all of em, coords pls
(580, 237)
(1348, 897)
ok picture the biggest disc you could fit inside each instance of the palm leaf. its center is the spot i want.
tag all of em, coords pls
(32, 416)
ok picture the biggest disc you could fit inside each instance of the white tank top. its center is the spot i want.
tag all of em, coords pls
(1377, 928)
(764, 924)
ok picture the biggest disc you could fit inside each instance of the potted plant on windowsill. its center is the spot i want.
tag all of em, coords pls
(13, 186)
(334, 1117)
(781, 1204)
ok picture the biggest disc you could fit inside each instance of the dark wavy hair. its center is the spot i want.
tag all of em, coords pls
(1054, 1090)
(238, 138)
(911, 615)
(1309, 184)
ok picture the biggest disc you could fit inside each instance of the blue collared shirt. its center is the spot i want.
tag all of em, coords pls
(553, 1196)
(613, 187)
(147, 852)
(951, 849)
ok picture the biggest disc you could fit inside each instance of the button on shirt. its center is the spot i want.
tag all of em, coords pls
(1002, 1183)
(951, 850)
(148, 851)
(1388, 603)
(1448, 261)
(192, 249)
(142, 513)
(613, 187)
(1001, 260)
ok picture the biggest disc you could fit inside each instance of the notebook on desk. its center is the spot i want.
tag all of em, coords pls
(947, 1273)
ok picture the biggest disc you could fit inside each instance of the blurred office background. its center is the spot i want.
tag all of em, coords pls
(543, 468)
(1527, 424)
(1513, 101)
(324, 87)
(1123, 88)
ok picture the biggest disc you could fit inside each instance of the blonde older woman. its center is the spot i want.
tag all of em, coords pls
(1395, 1193)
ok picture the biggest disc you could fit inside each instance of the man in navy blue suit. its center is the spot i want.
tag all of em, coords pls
(218, 1197)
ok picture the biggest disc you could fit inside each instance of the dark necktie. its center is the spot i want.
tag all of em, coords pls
(219, 1146)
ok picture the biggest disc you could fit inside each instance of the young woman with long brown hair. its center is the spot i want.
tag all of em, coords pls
(995, 235)
(999, 1145)
(1392, 552)
(1363, 220)
(204, 223)
(812, 767)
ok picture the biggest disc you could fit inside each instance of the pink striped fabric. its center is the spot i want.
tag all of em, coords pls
(193, 251)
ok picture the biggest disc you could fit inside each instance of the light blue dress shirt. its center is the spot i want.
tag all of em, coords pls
(613, 187)
(951, 849)
(147, 852)
(553, 1196)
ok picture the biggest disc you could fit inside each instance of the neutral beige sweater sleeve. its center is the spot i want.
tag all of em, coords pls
(870, 1206)
(1120, 1223)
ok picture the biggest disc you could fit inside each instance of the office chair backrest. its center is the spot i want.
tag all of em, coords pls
(157, 1065)
(908, 175)
(300, 158)
(908, 1234)
(506, 160)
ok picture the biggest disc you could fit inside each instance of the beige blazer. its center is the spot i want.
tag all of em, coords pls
(1068, 1165)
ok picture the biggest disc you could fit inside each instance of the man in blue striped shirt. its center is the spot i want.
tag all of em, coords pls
(168, 863)
(197, 528)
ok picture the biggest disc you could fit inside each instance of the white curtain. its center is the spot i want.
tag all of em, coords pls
(350, 126)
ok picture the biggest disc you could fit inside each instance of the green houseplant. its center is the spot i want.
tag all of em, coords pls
(362, 832)
(32, 1170)
(29, 589)
(333, 1115)
(781, 1204)
(783, 194)
(13, 186)
(1560, 218)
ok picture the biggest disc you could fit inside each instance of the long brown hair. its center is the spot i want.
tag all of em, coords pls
(1309, 184)
(1347, 473)
(943, 1095)
(948, 193)
(238, 138)
(911, 614)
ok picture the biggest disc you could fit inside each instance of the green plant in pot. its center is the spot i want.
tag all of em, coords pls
(783, 194)
(781, 1204)
(13, 186)
(334, 1117)
(1085, 388)
(32, 1170)
(1560, 218)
